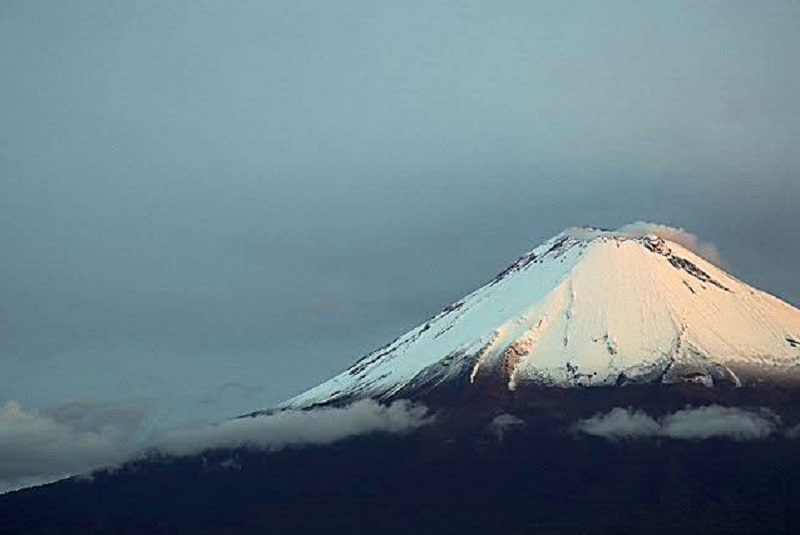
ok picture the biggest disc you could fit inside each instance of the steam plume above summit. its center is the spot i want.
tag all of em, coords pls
(692, 242)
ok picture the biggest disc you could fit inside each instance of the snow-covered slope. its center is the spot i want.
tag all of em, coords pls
(588, 308)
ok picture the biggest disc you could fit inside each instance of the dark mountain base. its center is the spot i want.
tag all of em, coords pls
(558, 408)
(455, 476)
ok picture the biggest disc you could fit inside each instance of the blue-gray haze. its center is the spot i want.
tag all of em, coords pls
(235, 199)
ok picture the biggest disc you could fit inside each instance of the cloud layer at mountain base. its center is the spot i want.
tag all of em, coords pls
(699, 423)
(37, 446)
(72, 438)
(299, 427)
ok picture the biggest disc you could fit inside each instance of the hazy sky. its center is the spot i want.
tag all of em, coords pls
(227, 202)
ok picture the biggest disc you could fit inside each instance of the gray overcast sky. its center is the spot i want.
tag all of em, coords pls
(230, 201)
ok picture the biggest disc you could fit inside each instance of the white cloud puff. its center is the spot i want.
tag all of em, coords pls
(299, 427)
(620, 423)
(503, 424)
(699, 423)
(716, 421)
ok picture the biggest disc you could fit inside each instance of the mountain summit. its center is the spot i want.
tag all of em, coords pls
(587, 308)
(606, 382)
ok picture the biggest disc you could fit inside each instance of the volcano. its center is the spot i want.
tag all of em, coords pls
(605, 382)
(588, 308)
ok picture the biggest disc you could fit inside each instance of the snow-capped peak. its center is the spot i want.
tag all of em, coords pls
(589, 307)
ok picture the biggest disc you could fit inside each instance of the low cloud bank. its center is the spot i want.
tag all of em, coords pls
(700, 423)
(680, 236)
(43, 445)
(298, 427)
(40, 446)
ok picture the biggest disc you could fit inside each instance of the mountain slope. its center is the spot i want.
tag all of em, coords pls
(588, 308)
(511, 442)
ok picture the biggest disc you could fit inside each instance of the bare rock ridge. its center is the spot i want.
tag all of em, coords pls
(588, 308)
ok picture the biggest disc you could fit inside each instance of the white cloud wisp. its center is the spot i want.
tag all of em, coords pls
(38, 446)
(299, 427)
(699, 423)
(680, 236)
